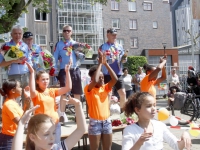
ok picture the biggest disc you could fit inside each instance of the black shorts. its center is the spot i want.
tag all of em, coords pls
(118, 85)
(76, 80)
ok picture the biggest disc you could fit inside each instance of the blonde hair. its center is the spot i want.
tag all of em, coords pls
(33, 126)
(66, 26)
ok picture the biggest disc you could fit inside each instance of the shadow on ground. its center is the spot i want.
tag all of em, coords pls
(195, 141)
(115, 146)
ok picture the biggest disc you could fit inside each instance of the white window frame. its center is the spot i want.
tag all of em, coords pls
(149, 5)
(134, 42)
(120, 41)
(130, 7)
(133, 24)
(117, 21)
(37, 39)
(40, 16)
(155, 24)
(114, 5)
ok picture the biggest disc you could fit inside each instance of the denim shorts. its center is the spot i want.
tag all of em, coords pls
(97, 127)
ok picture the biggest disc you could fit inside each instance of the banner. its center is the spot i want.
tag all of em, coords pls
(196, 9)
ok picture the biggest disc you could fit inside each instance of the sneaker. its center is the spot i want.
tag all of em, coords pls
(168, 108)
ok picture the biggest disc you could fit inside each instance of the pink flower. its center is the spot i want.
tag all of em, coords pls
(129, 120)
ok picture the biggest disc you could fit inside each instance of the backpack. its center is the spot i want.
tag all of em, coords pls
(179, 100)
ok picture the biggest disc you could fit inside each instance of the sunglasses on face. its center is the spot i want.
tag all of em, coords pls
(67, 31)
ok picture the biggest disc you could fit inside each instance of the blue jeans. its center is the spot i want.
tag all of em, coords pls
(97, 127)
(128, 93)
(5, 141)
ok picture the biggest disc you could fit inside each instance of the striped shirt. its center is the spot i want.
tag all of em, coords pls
(61, 146)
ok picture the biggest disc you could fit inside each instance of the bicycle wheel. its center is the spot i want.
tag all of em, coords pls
(186, 114)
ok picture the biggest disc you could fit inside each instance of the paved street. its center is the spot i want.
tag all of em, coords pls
(117, 137)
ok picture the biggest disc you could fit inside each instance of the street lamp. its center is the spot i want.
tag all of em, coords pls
(51, 46)
(164, 46)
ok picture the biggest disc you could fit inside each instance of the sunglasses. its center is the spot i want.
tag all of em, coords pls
(67, 31)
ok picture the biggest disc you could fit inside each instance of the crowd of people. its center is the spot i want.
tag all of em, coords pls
(26, 79)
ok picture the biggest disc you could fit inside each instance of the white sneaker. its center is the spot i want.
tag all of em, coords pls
(63, 118)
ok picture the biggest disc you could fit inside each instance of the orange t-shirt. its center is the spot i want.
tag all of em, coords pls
(11, 110)
(98, 104)
(47, 103)
(148, 86)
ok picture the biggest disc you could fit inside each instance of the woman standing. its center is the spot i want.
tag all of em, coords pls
(127, 78)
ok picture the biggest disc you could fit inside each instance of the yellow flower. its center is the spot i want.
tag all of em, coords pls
(19, 54)
(13, 48)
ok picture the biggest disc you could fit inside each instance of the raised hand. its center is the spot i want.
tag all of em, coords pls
(100, 59)
(187, 140)
(71, 100)
(144, 137)
(27, 115)
(68, 66)
(104, 61)
(164, 58)
(31, 70)
(27, 91)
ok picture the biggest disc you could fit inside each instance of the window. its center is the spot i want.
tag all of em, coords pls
(155, 24)
(40, 39)
(147, 6)
(115, 23)
(40, 16)
(121, 42)
(134, 42)
(133, 24)
(132, 6)
(114, 5)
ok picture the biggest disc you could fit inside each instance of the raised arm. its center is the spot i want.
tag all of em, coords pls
(68, 84)
(17, 143)
(160, 66)
(97, 73)
(81, 124)
(31, 80)
(163, 76)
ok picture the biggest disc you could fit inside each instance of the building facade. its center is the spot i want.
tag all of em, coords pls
(141, 24)
(182, 37)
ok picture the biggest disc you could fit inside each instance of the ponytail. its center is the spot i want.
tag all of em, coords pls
(2, 92)
(134, 101)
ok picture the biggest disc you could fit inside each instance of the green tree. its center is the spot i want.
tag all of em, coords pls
(11, 10)
(133, 62)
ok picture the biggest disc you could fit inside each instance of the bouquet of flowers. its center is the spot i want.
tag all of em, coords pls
(47, 61)
(12, 52)
(128, 120)
(83, 48)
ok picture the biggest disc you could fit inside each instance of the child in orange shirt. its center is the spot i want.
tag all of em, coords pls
(44, 96)
(11, 112)
(150, 80)
(96, 94)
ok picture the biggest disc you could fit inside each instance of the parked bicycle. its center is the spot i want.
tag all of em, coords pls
(190, 111)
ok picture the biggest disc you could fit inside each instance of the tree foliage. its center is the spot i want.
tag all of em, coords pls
(134, 62)
(11, 10)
